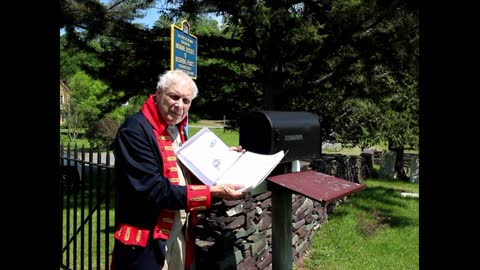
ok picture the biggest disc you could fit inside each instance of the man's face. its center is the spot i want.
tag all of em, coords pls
(174, 103)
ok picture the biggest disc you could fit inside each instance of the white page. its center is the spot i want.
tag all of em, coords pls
(207, 156)
(251, 169)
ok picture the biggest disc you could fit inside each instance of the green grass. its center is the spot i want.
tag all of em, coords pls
(229, 137)
(356, 151)
(79, 141)
(353, 151)
(373, 229)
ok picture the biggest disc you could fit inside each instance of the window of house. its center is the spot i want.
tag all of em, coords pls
(61, 99)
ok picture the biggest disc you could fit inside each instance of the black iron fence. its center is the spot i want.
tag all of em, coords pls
(87, 207)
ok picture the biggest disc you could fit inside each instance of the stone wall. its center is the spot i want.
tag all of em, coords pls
(351, 168)
(238, 234)
(356, 168)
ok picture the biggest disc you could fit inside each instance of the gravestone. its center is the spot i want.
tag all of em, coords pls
(365, 164)
(414, 169)
(387, 165)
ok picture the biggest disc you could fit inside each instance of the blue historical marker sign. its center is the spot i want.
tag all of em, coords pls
(183, 50)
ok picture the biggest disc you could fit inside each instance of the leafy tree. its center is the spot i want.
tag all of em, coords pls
(133, 105)
(124, 48)
(82, 108)
(385, 108)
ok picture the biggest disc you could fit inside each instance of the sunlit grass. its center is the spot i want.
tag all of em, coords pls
(375, 228)
(229, 137)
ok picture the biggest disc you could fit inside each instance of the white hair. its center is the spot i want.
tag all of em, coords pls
(174, 76)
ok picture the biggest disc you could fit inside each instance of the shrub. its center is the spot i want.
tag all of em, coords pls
(102, 133)
(193, 118)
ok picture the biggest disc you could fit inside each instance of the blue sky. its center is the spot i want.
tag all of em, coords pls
(151, 16)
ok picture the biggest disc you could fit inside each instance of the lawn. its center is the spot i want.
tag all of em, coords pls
(229, 137)
(375, 228)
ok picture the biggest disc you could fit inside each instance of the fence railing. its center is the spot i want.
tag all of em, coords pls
(87, 207)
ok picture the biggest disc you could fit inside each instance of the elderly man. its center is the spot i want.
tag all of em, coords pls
(157, 198)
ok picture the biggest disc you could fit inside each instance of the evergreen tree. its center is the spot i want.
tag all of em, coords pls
(354, 63)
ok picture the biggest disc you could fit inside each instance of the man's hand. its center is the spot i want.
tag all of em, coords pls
(237, 148)
(227, 191)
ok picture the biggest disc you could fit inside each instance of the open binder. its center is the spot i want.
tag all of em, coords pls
(212, 162)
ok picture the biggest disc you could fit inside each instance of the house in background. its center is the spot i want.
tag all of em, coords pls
(64, 96)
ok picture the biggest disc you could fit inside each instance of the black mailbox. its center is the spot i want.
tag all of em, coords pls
(267, 132)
